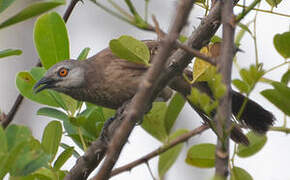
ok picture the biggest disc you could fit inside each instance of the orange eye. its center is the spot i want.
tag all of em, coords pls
(63, 72)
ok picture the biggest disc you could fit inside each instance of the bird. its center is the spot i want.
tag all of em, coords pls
(106, 80)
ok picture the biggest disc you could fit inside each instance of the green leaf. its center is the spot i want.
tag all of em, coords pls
(215, 39)
(32, 157)
(3, 142)
(31, 11)
(83, 55)
(241, 33)
(286, 78)
(75, 153)
(53, 113)
(8, 161)
(10, 52)
(201, 155)
(241, 86)
(182, 38)
(238, 173)
(257, 142)
(153, 121)
(25, 83)
(131, 49)
(174, 108)
(4, 4)
(17, 134)
(167, 159)
(273, 3)
(62, 158)
(282, 44)
(279, 96)
(51, 39)
(51, 138)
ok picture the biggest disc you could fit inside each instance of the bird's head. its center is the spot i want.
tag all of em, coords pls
(62, 77)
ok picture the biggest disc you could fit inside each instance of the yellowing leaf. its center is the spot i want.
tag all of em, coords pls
(202, 70)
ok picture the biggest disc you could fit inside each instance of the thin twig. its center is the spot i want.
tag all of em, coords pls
(247, 10)
(223, 116)
(265, 11)
(144, 96)
(188, 49)
(160, 150)
(69, 10)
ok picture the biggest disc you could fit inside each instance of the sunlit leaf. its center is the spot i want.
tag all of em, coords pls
(131, 49)
(51, 39)
(25, 83)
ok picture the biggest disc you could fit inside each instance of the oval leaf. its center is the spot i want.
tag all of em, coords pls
(279, 96)
(83, 55)
(25, 83)
(174, 108)
(238, 173)
(131, 49)
(10, 52)
(153, 122)
(51, 138)
(51, 39)
(62, 158)
(53, 113)
(201, 155)
(256, 144)
(167, 159)
(31, 11)
(282, 44)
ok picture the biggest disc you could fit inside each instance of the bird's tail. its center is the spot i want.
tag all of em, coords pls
(254, 115)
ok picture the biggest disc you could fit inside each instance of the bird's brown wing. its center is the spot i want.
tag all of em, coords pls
(116, 80)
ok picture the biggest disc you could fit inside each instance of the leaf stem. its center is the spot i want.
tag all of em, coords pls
(112, 12)
(265, 11)
(82, 139)
(246, 10)
(279, 65)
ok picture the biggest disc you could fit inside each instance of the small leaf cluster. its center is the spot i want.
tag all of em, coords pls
(24, 157)
(250, 77)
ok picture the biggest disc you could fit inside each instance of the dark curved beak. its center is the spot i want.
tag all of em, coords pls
(42, 84)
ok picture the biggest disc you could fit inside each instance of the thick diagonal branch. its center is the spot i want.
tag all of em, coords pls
(144, 96)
